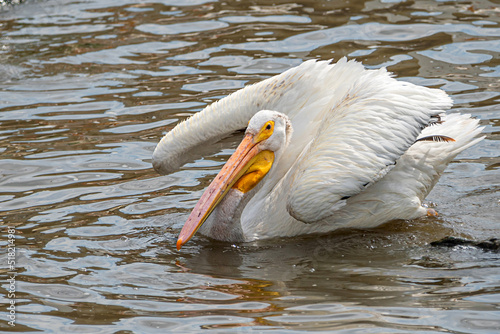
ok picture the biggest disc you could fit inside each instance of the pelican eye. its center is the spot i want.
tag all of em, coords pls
(265, 132)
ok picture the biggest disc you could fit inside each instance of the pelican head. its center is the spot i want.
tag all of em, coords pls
(266, 137)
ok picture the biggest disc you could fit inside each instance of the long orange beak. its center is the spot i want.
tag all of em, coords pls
(237, 166)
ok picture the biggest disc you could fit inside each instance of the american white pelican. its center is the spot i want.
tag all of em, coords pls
(365, 149)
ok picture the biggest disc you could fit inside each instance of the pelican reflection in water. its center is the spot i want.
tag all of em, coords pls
(326, 146)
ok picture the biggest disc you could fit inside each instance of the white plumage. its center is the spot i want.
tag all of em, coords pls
(352, 161)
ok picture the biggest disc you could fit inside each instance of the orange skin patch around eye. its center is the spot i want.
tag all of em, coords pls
(265, 132)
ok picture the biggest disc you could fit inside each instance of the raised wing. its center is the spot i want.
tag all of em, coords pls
(372, 121)
(291, 92)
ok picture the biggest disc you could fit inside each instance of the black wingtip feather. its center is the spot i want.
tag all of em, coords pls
(436, 138)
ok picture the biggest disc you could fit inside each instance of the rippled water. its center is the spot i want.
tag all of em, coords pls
(87, 89)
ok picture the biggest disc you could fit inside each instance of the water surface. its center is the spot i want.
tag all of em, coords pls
(87, 89)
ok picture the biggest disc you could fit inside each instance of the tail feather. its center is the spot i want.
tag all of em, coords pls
(461, 127)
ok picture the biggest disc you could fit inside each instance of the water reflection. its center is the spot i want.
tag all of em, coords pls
(88, 88)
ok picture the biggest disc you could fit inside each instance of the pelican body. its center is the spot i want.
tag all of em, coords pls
(326, 146)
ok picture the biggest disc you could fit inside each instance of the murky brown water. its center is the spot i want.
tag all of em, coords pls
(87, 89)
